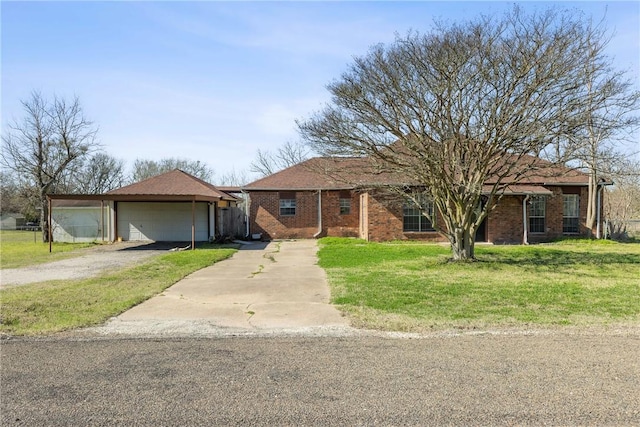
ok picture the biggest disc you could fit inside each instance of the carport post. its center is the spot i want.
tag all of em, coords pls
(49, 223)
(193, 224)
(102, 218)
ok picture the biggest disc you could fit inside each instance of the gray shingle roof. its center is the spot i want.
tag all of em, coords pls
(172, 183)
(353, 172)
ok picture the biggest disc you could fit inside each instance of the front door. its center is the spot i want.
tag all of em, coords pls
(481, 232)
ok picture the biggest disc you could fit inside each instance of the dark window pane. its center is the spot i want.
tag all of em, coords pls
(570, 225)
(345, 206)
(536, 225)
(287, 207)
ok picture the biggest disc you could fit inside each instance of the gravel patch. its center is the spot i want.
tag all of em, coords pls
(116, 328)
(91, 263)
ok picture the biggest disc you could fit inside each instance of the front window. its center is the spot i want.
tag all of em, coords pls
(287, 203)
(345, 206)
(571, 213)
(537, 213)
(414, 218)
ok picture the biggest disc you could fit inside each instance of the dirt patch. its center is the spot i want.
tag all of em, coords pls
(90, 263)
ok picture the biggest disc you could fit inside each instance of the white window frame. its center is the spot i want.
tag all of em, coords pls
(288, 206)
(570, 213)
(537, 210)
(411, 210)
(345, 206)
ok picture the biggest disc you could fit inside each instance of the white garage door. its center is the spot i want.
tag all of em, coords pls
(168, 222)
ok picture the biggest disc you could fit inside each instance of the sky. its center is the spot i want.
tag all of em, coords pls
(216, 81)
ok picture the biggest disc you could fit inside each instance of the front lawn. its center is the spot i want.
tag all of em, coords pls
(408, 286)
(59, 305)
(24, 248)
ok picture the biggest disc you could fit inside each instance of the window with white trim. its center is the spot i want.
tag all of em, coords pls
(570, 213)
(287, 203)
(345, 206)
(345, 202)
(414, 218)
(537, 214)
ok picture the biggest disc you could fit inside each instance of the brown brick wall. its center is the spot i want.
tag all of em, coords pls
(265, 218)
(554, 214)
(334, 223)
(384, 217)
(385, 220)
(505, 223)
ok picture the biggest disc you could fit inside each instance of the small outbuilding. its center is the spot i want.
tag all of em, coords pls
(12, 221)
(174, 206)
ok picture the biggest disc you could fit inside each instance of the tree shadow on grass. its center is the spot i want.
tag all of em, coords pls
(556, 257)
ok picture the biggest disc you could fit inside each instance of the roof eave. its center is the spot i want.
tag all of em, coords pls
(245, 189)
(138, 197)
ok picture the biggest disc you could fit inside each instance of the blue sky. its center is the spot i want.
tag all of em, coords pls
(216, 81)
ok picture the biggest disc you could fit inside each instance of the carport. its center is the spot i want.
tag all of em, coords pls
(174, 206)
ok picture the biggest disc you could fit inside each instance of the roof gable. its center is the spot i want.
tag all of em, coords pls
(172, 183)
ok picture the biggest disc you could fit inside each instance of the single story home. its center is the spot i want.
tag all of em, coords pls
(12, 221)
(174, 206)
(342, 197)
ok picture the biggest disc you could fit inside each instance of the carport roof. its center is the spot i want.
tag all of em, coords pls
(175, 185)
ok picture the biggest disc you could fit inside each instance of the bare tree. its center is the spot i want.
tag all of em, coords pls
(99, 174)
(233, 178)
(622, 204)
(462, 111)
(40, 148)
(268, 162)
(144, 169)
(10, 200)
(18, 195)
(608, 118)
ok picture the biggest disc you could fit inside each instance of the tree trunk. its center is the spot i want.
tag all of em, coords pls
(592, 202)
(463, 246)
(44, 217)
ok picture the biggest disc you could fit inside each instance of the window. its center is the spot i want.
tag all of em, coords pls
(571, 213)
(345, 206)
(287, 203)
(345, 202)
(414, 218)
(537, 211)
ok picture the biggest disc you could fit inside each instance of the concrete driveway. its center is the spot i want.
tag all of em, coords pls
(264, 287)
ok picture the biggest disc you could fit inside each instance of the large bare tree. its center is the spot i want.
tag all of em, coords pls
(40, 149)
(462, 110)
(144, 169)
(608, 118)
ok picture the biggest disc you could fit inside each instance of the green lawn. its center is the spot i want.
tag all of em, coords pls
(408, 286)
(24, 248)
(55, 306)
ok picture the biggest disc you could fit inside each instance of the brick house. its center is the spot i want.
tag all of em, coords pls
(311, 200)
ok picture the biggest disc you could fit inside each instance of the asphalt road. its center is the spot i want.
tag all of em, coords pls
(555, 378)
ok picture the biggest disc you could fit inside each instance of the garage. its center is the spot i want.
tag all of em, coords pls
(169, 222)
(171, 207)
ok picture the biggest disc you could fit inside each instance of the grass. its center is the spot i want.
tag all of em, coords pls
(24, 248)
(413, 287)
(55, 306)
